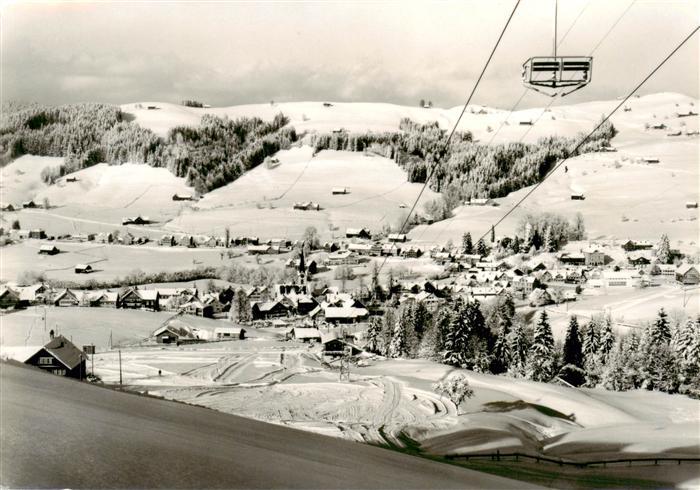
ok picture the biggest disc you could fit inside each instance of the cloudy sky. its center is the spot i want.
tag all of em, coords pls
(227, 53)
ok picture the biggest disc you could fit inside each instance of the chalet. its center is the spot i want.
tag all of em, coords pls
(397, 237)
(48, 250)
(197, 307)
(269, 309)
(107, 299)
(149, 299)
(411, 252)
(183, 197)
(258, 294)
(335, 345)
(305, 334)
(83, 268)
(593, 257)
(61, 357)
(339, 190)
(691, 205)
(104, 238)
(346, 257)
(9, 298)
(7, 207)
(172, 334)
(229, 333)
(572, 258)
(29, 205)
(358, 233)
(667, 269)
(131, 299)
(345, 314)
(212, 301)
(577, 197)
(38, 233)
(260, 249)
(66, 298)
(226, 295)
(330, 246)
(632, 245)
(360, 248)
(688, 274)
(34, 294)
(389, 249)
(638, 260)
(376, 249)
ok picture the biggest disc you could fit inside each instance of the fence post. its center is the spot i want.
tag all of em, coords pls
(517, 455)
(498, 455)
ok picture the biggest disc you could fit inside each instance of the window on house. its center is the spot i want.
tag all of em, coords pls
(45, 360)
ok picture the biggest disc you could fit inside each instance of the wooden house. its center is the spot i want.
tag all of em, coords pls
(339, 190)
(29, 205)
(48, 250)
(9, 298)
(83, 268)
(7, 207)
(183, 197)
(305, 334)
(171, 334)
(688, 274)
(269, 309)
(37, 233)
(130, 299)
(577, 196)
(397, 237)
(61, 357)
(67, 298)
(363, 233)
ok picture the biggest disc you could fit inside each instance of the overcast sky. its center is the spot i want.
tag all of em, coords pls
(234, 52)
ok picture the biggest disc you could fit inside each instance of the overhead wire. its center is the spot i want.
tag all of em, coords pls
(454, 129)
(585, 138)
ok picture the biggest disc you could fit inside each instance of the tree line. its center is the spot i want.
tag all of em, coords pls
(211, 155)
(492, 338)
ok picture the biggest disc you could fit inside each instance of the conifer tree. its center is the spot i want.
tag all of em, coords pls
(373, 335)
(541, 360)
(607, 340)
(481, 248)
(660, 332)
(501, 349)
(467, 245)
(519, 343)
(663, 250)
(457, 338)
(573, 350)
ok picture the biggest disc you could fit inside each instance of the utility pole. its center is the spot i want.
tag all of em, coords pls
(120, 368)
(345, 358)
(92, 360)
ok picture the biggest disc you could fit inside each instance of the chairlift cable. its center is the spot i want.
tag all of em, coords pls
(585, 138)
(449, 138)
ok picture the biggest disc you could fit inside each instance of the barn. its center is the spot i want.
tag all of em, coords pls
(83, 269)
(687, 274)
(67, 298)
(61, 357)
(48, 250)
(170, 334)
(8, 298)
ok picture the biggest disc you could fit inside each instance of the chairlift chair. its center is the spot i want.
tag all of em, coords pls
(555, 75)
(552, 74)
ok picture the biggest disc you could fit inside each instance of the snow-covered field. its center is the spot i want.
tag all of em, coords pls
(21, 181)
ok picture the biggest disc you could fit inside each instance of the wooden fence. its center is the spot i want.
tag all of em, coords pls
(498, 456)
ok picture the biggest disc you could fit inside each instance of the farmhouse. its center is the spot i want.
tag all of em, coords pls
(6, 207)
(197, 308)
(632, 245)
(345, 314)
(260, 249)
(171, 334)
(269, 309)
(339, 190)
(638, 260)
(360, 248)
(305, 334)
(48, 250)
(149, 299)
(136, 220)
(37, 233)
(66, 298)
(358, 233)
(131, 299)
(61, 357)
(29, 204)
(346, 257)
(687, 274)
(83, 268)
(572, 258)
(8, 298)
(397, 237)
(228, 333)
(107, 299)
